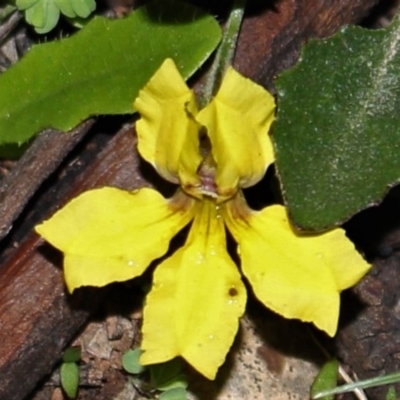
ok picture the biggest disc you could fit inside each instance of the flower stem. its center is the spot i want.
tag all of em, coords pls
(226, 51)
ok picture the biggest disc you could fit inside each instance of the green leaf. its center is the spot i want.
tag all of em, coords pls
(24, 4)
(83, 8)
(36, 14)
(173, 394)
(52, 15)
(326, 379)
(178, 381)
(337, 135)
(69, 375)
(168, 375)
(101, 69)
(72, 354)
(131, 363)
(43, 15)
(65, 7)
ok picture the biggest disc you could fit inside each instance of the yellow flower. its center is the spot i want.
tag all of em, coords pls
(198, 296)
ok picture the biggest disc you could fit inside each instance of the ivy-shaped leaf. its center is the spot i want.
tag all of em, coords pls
(337, 135)
(131, 363)
(101, 69)
(43, 15)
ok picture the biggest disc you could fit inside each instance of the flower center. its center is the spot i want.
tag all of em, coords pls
(206, 173)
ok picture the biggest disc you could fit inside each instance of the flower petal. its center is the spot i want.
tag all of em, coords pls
(238, 120)
(110, 235)
(196, 300)
(168, 135)
(297, 276)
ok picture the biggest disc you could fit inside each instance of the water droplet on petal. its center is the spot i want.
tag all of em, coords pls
(131, 263)
(200, 258)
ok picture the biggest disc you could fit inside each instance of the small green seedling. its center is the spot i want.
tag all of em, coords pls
(131, 363)
(69, 371)
(391, 394)
(326, 379)
(167, 378)
(365, 384)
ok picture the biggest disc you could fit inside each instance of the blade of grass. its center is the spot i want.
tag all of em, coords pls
(365, 384)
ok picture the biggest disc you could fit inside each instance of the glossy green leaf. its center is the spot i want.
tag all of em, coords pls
(69, 375)
(100, 69)
(326, 379)
(337, 135)
(173, 394)
(131, 363)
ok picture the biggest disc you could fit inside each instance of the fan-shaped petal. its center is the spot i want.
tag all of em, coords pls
(110, 235)
(196, 300)
(296, 275)
(168, 134)
(238, 120)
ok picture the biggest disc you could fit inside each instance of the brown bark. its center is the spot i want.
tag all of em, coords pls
(44, 157)
(37, 317)
(272, 36)
(368, 339)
